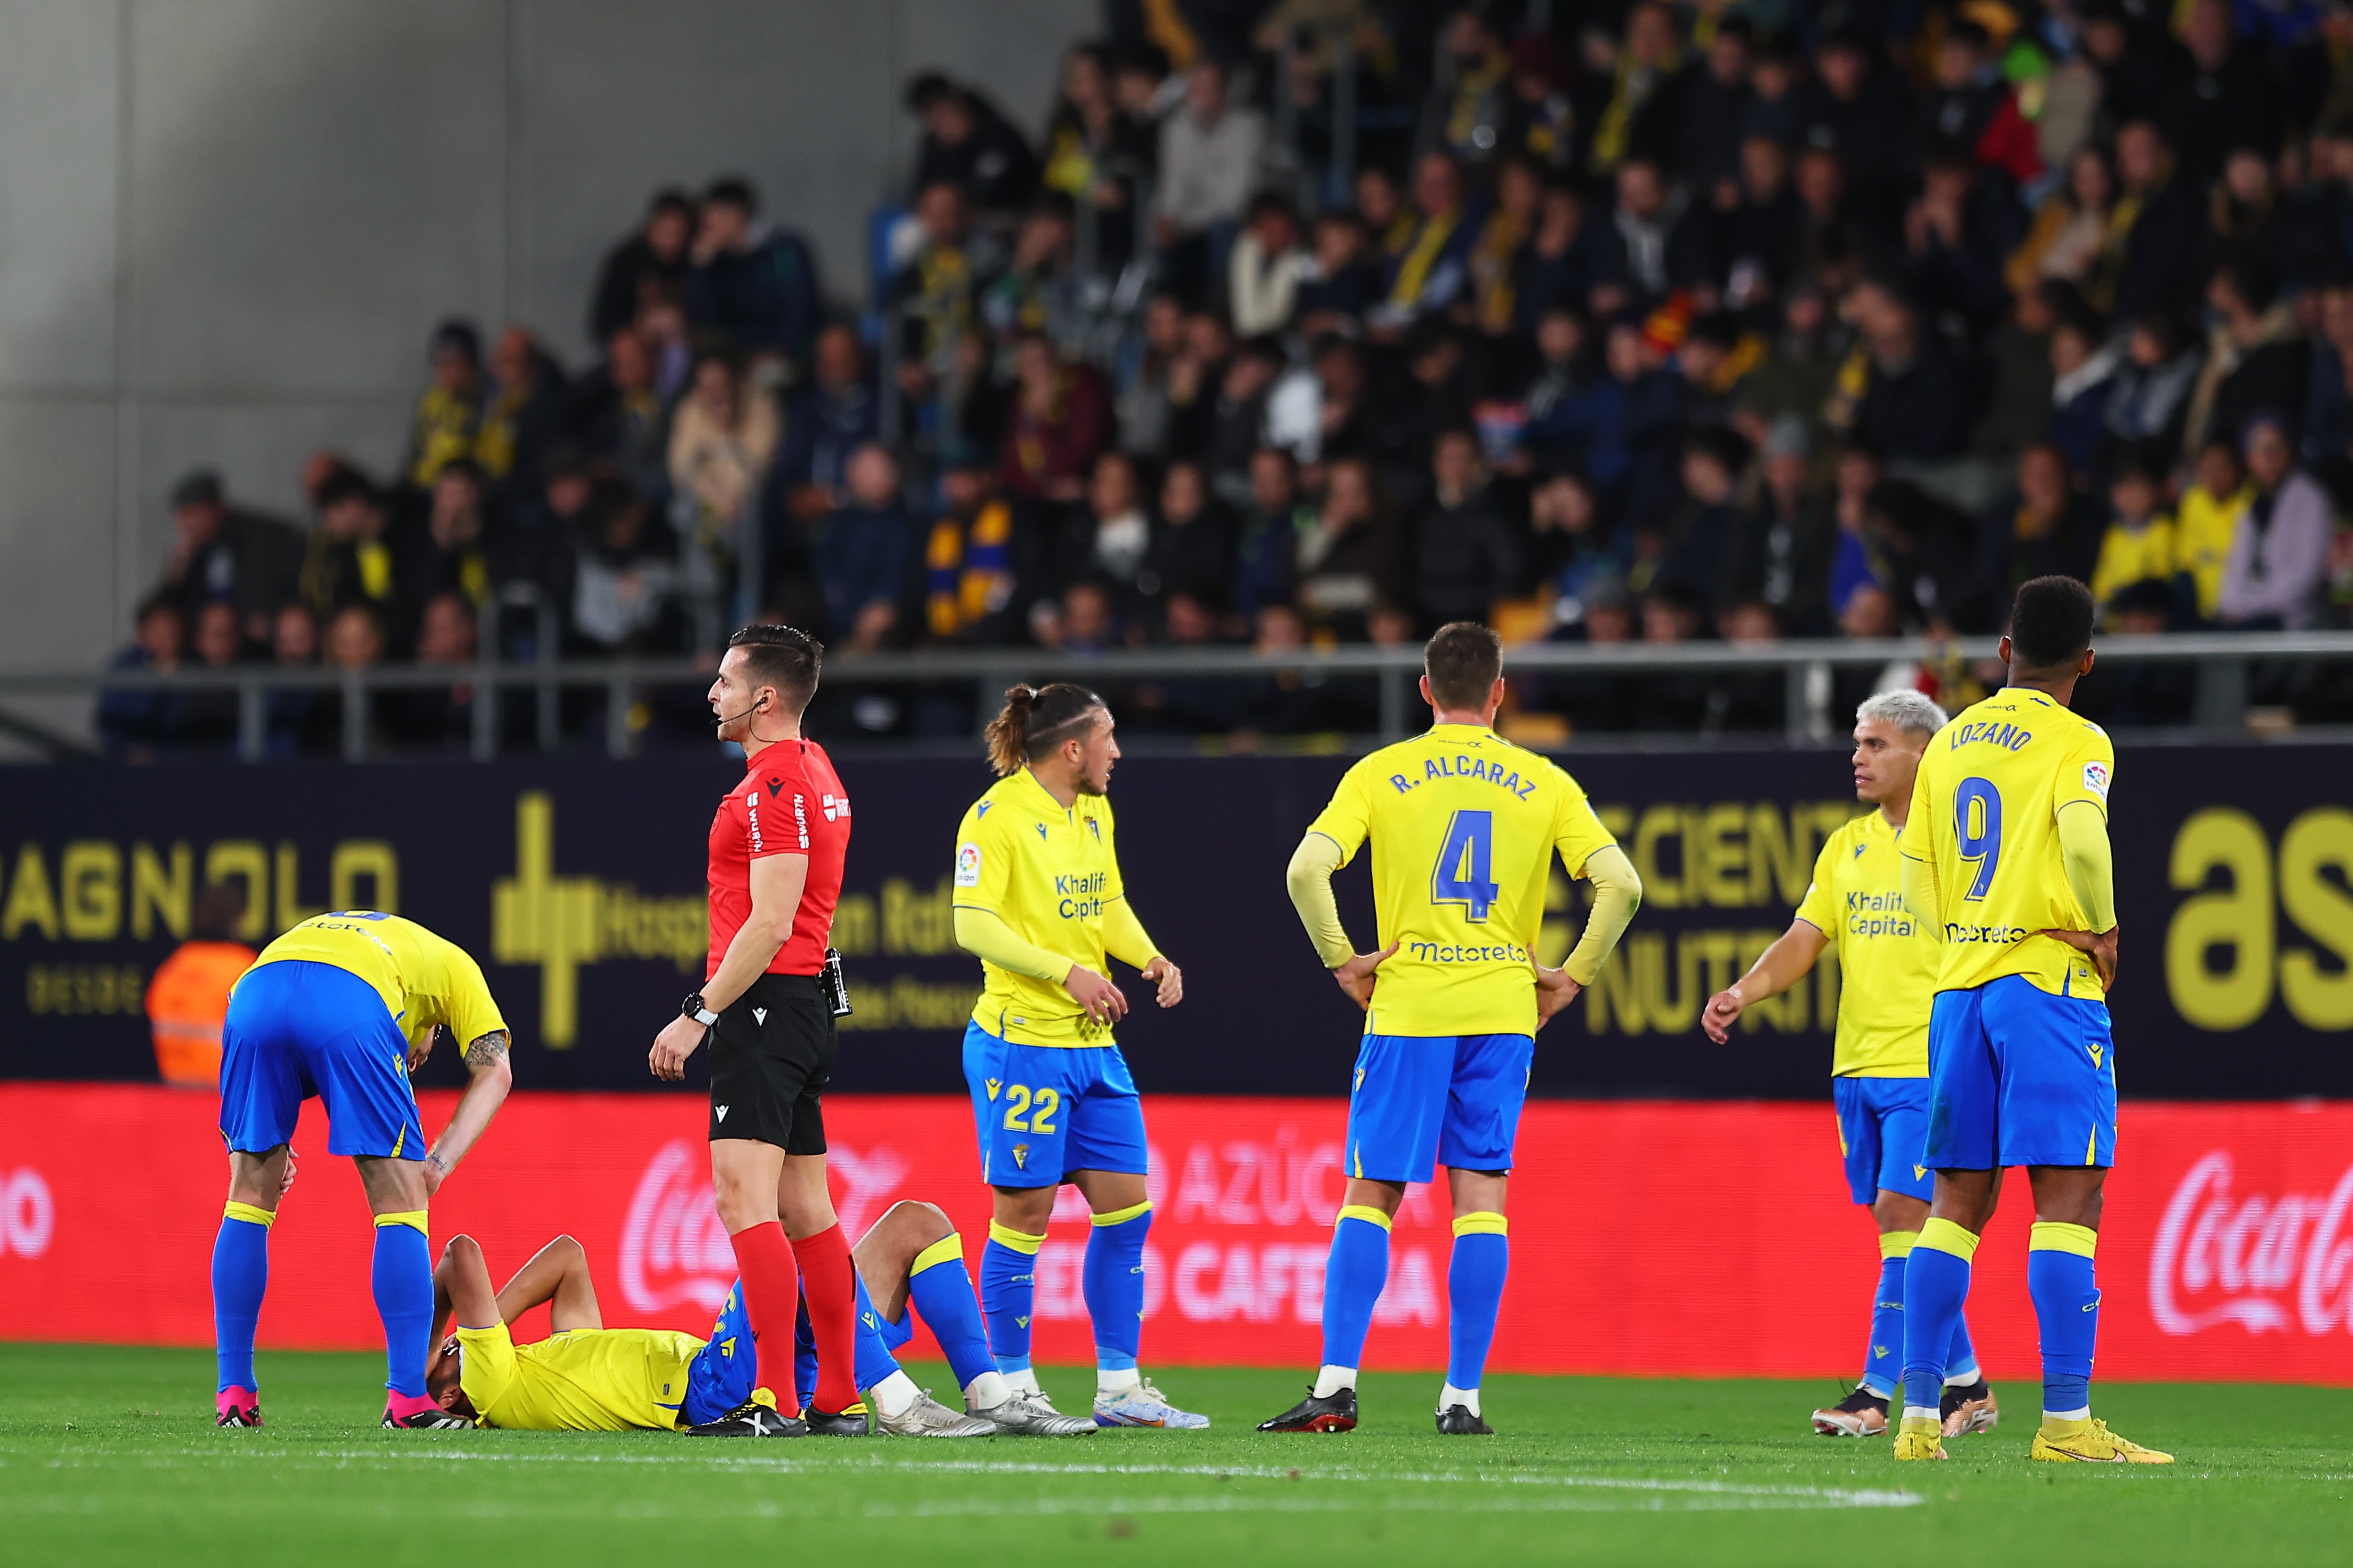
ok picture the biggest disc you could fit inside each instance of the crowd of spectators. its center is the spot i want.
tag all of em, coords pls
(1736, 320)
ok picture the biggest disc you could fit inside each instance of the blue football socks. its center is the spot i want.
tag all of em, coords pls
(1961, 1367)
(1353, 1278)
(2060, 1278)
(403, 1279)
(940, 1290)
(1936, 1284)
(1114, 1285)
(1474, 1291)
(1883, 1358)
(1008, 1293)
(240, 1276)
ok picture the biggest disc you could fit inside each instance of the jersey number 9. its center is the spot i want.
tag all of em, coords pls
(1977, 812)
(1465, 865)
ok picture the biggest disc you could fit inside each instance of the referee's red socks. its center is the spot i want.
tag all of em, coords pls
(772, 1290)
(830, 1284)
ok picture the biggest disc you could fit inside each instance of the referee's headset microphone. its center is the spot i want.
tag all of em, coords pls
(726, 719)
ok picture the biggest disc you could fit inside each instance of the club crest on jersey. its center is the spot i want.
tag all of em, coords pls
(1095, 828)
(1021, 1155)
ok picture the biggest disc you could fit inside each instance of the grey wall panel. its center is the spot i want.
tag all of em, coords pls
(314, 184)
(58, 104)
(58, 565)
(617, 99)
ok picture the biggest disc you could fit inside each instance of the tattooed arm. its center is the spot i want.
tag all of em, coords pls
(488, 1079)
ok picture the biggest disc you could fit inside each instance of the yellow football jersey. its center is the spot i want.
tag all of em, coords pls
(585, 1380)
(423, 979)
(1464, 825)
(1048, 872)
(1887, 962)
(1985, 815)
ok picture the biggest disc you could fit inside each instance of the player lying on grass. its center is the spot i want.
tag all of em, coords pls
(585, 1377)
(1879, 1073)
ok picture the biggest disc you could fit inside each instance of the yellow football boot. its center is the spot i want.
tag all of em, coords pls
(2090, 1442)
(1920, 1438)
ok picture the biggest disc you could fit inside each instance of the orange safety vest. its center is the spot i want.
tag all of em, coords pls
(187, 1002)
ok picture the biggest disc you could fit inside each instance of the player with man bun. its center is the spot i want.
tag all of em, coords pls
(1039, 901)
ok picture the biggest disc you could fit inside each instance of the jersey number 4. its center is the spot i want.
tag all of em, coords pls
(1977, 826)
(1464, 874)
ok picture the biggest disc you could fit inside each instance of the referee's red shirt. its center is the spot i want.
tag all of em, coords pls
(790, 802)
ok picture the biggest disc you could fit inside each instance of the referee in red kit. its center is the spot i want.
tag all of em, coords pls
(777, 848)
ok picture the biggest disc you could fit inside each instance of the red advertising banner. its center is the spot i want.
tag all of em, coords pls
(1650, 1238)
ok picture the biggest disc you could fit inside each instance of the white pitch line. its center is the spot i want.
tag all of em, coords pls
(848, 1466)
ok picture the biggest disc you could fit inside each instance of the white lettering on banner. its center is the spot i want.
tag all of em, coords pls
(673, 1248)
(2251, 1251)
(28, 1213)
(1278, 1183)
(1222, 1284)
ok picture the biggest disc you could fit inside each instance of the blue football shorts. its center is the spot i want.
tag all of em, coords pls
(1417, 1099)
(1883, 1126)
(2018, 1077)
(296, 1028)
(1042, 1111)
(723, 1371)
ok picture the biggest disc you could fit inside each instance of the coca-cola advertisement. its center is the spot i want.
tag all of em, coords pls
(1648, 1238)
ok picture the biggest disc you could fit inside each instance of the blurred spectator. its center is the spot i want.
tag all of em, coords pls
(440, 718)
(447, 552)
(2139, 544)
(1231, 425)
(1800, 367)
(2279, 551)
(1342, 280)
(1288, 702)
(1926, 555)
(936, 291)
(528, 413)
(2045, 529)
(2257, 359)
(208, 720)
(2246, 222)
(1083, 620)
(1348, 560)
(448, 415)
(1096, 153)
(1672, 700)
(219, 552)
(1912, 407)
(1272, 523)
(1957, 235)
(721, 443)
(294, 715)
(1691, 552)
(1040, 288)
(2217, 94)
(1558, 266)
(834, 414)
(1648, 249)
(969, 565)
(2151, 693)
(1476, 103)
(1970, 105)
(968, 145)
(621, 417)
(1112, 536)
(1263, 280)
(355, 641)
(1751, 700)
(1778, 552)
(2148, 407)
(2218, 495)
(2082, 384)
(1145, 413)
(1464, 555)
(1716, 106)
(757, 285)
(1857, 107)
(626, 577)
(1571, 551)
(348, 559)
(650, 263)
(1059, 422)
(1208, 159)
(2077, 236)
(2160, 241)
(864, 553)
(1493, 260)
(1192, 554)
(1644, 117)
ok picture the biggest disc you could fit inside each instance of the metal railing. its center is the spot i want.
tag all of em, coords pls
(2222, 661)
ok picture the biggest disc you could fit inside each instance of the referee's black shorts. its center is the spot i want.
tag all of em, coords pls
(771, 1056)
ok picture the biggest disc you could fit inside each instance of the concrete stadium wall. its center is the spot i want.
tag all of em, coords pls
(226, 225)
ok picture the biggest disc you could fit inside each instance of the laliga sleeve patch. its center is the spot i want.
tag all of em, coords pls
(2096, 779)
(967, 871)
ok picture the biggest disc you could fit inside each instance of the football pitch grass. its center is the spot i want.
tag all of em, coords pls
(109, 1455)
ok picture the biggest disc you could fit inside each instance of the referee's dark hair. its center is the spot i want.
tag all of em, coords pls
(782, 657)
(2050, 625)
(1462, 662)
(1034, 720)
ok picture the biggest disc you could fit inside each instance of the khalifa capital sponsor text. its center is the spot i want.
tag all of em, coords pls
(2264, 1263)
(674, 1251)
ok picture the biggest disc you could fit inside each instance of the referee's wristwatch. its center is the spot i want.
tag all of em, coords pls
(693, 1007)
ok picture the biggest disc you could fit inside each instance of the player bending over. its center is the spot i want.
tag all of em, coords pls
(1464, 825)
(1879, 1074)
(346, 1006)
(1039, 901)
(2006, 858)
(586, 1377)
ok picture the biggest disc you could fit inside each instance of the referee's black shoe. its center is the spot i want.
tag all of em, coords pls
(850, 1423)
(753, 1418)
(1324, 1412)
(1456, 1421)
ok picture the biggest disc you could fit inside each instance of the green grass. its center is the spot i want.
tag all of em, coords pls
(109, 1455)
